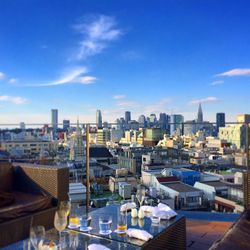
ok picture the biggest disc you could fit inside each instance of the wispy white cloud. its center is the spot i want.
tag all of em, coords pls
(236, 72)
(219, 82)
(77, 75)
(118, 97)
(13, 80)
(13, 99)
(96, 35)
(208, 99)
(2, 76)
(159, 106)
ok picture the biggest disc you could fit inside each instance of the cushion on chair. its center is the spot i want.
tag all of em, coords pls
(25, 204)
(6, 176)
(6, 198)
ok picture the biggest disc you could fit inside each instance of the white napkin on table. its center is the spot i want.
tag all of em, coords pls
(127, 206)
(97, 247)
(147, 209)
(139, 234)
(164, 211)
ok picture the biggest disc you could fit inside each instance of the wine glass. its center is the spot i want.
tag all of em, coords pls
(60, 221)
(37, 236)
(140, 194)
(66, 206)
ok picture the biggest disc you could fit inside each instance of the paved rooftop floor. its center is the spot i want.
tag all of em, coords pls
(202, 233)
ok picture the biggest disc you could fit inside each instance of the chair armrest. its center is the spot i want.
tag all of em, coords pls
(53, 180)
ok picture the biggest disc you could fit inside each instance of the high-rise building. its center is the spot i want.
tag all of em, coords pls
(163, 120)
(142, 121)
(98, 118)
(77, 149)
(176, 123)
(103, 136)
(152, 118)
(66, 124)
(127, 116)
(200, 115)
(220, 120)
(54, 118)
(245, 118)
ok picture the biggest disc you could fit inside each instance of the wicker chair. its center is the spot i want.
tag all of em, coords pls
(51, 180)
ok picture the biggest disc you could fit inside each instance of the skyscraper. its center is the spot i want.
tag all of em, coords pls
(54, 118)
(77, 148)
(176, 123)
(220, 120)
(66, 124)
(163, 120)
(142, 121)
(127, 116)
(200, 115)
(98, 118)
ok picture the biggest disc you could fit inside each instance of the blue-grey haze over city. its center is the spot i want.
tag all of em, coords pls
(143, 56)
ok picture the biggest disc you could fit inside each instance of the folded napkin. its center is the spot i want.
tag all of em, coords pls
(127, 206)
(164, 212)
(97, 247)
(147, 209)
(139, 234)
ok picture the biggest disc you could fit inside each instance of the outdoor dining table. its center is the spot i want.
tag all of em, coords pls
(168, 234)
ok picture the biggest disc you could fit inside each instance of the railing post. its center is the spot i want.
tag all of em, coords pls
(246, 176)
(87, 170)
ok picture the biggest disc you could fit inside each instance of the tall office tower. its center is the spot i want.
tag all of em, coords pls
(220, 120)
(200, 115)
(127, 116)
(142, 121)
(66, 124)
(77, 148)
(98, 118)
(152, 118)
(54, 118)
(176, 124)
(163, 120)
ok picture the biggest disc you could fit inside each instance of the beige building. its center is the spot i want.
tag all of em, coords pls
(27, 147)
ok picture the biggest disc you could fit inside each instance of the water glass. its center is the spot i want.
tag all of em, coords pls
(37, 236)
(85, 223)
(74, 220)
(121, 221)
(105, 223)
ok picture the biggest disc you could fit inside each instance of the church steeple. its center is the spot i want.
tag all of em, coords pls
(200, 114)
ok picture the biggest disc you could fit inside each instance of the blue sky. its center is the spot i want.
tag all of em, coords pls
(143, 56)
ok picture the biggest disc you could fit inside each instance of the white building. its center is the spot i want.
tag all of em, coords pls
(185, 196)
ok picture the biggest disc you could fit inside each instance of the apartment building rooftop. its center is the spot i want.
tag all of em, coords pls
(180, 187)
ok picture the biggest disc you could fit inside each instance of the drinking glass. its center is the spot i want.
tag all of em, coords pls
(121, 221)
(60, 222)
(74, 220)
(140, 194)
(105, 223)
(37, 236)
(85, 223)
(66, 206)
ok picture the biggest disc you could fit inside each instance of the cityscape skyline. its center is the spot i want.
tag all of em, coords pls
(165, 58)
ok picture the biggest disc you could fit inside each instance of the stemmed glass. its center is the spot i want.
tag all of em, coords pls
(37, 236)
(66, 206)
(60, 222)
(140, 194)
